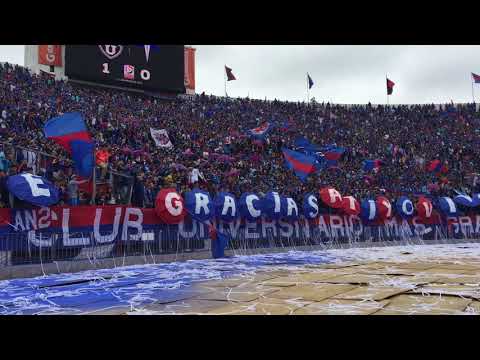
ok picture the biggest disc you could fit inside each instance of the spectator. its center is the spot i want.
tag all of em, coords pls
(102, 157)
(213, 151)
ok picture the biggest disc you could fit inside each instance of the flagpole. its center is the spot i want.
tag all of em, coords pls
(225, 80)
(308, 90)
(386, 81)
(94, 176)
(94, 190)
(473, 94)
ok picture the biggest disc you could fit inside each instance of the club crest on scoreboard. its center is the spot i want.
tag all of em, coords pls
(129, 72)
(111, 51)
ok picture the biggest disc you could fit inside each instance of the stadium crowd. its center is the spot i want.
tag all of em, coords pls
(213, 150)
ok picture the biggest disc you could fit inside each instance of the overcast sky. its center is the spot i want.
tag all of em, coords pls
(342, 74)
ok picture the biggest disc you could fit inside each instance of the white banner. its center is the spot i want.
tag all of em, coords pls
(161, 138)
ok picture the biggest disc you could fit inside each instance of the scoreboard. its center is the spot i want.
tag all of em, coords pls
(142, 67)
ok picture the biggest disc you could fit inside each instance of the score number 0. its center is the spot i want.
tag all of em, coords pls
(144, 73)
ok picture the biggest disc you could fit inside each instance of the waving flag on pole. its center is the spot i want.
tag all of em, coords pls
(301, 164)
(70, 132)
(261, 131)
(369, 165)
(334, 153)
(476, 78)
(230, 75)
(390, 85)
(303, 143)
(310, 81)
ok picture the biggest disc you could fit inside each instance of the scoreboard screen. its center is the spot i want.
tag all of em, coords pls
(143, 67)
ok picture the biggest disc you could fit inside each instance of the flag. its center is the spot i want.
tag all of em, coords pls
(390, 85)
(331, 163)
(219, 242)
(476, 78)
(70, 132)
(21, 186)
(260, 131)
(369, 165)
(334, 153)
(434, 166)
(303, 143)
(310, 81)
(82, 156)
(161, 138)
(230, 76)
(286, 125)
(437, 167)
(301, 164)
(324, 157)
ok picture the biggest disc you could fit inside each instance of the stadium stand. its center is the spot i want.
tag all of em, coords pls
(213, 150)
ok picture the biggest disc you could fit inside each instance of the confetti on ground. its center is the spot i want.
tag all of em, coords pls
(419, 279)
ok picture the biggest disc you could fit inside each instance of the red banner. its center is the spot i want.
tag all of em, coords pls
(190, 68)
(50, 55)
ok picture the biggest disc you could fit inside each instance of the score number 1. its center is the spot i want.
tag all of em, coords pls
(144, 73)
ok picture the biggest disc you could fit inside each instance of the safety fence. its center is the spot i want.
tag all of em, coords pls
(110, 187)
(33, 247)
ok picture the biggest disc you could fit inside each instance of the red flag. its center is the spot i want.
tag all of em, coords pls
(476, 78)
(230, 76)
(390, 85)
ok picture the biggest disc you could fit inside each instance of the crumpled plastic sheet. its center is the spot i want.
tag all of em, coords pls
(134, 286)
(139, 285)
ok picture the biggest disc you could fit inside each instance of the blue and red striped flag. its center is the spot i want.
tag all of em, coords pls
(70, 132)
(303, 165)
(369, 165)
(334, 153)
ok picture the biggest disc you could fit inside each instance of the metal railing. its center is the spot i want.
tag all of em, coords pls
(120, 184)
(33, 247)
(42, 247)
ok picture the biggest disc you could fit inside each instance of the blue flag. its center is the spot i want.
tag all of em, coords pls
(304, 144)
(82, 155)
(369, 165)
(33, 189)
(310, 82)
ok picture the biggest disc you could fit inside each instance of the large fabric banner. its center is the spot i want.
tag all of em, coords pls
(83, 226)
(190, 69)
(161, 138)
(50, 55)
